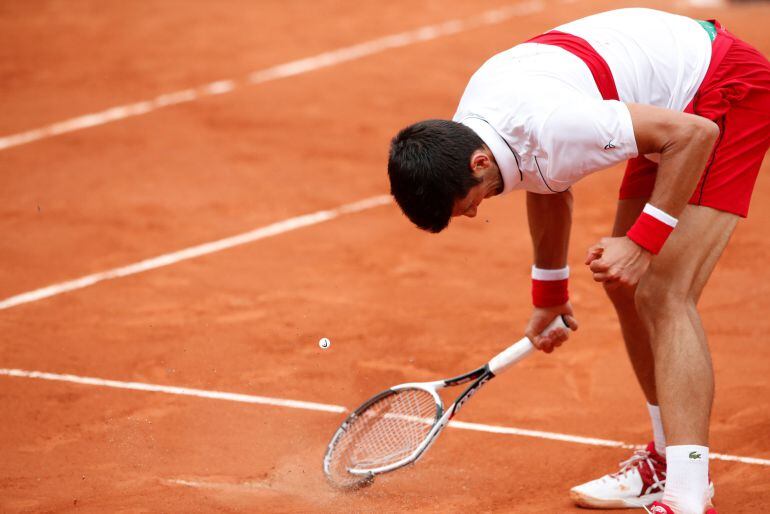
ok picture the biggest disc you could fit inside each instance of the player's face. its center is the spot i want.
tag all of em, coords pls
(490, 183)
(469, 205)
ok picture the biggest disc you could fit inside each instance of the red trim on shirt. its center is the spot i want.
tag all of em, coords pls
(582, 49)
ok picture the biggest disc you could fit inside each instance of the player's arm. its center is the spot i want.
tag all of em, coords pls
(550, 220)
(684, 142)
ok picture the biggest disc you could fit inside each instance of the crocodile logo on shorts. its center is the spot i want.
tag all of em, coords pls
(694, 455)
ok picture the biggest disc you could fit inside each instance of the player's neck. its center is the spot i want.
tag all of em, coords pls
(493, 182)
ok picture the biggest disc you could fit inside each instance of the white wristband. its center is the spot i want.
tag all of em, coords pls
(550, 274)
(660, 215)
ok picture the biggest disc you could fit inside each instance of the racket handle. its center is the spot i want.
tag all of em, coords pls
(519, 350)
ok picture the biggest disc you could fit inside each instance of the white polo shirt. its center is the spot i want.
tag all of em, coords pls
(538, 109)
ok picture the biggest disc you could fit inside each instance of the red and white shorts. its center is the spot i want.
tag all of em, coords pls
(735, 94)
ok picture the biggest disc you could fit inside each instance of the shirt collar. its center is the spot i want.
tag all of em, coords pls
(504, 156)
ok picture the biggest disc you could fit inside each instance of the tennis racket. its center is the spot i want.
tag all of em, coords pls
(395, 427)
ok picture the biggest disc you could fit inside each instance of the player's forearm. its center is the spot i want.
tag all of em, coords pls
(682, 161)
(550, 220)
(684, 142)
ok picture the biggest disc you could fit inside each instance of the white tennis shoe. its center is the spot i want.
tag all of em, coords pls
(639, 482)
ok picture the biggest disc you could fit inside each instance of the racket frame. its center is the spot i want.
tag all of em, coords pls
(354, 415)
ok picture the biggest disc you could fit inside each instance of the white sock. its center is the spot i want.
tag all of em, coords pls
(657, 429)
(687, 478)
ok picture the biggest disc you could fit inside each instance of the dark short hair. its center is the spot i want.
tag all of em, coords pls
(429, 168)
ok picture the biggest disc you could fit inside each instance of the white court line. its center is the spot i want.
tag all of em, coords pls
(294, 404)
(704, 3)
(182, 391)
(289, 69)
(227, 486)
(195, 251)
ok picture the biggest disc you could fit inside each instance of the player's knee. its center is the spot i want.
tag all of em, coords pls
(657, 297)
(621, 296)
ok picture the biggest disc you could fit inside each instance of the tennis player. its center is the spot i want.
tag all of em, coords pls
(687, 104)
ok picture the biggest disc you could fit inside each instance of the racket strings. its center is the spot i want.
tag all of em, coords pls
(388, 431)
(397, 430)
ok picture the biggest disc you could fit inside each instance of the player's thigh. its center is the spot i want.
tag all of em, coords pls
(728, 222)
(681, 270)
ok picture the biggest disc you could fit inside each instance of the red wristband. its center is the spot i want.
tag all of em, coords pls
(550, 287)
(548, 293)
(651, 229)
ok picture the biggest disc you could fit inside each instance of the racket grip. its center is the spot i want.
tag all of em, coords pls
(519, 350)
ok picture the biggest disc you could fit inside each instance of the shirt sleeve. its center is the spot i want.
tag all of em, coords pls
(586, 135)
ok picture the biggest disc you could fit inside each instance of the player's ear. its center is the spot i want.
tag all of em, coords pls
(480, 161)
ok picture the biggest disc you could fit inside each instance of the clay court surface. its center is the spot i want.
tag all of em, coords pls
(397, 304)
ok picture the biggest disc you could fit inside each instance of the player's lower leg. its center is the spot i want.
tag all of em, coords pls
(636, 339)
(639, 351)
(686, 386)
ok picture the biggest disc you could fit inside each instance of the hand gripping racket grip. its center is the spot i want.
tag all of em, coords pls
(518, 351)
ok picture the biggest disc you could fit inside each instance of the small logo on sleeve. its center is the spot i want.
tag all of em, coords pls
(694, 455)
(609, 146)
